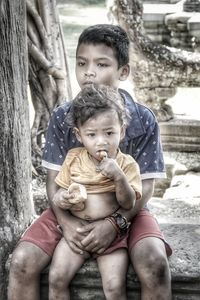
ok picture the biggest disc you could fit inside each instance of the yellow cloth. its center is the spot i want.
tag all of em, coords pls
(79, 168)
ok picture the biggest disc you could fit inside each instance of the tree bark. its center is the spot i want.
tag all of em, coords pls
(15, 153)
(156, 70)
(48, 67)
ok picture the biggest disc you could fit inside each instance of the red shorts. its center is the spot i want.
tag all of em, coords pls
(45, 233)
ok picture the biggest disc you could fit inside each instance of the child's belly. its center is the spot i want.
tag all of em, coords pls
(98, 206)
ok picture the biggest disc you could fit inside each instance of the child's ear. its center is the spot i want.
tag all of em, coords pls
(77, 134)
(124, 72)
(123, 132)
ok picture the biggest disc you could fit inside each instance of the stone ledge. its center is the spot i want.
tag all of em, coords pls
(180, 135)
(184, 264)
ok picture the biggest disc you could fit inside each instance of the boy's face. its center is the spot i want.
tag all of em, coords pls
(102, 132)
(97, 64)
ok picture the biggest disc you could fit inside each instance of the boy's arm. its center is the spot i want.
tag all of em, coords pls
(94, 241)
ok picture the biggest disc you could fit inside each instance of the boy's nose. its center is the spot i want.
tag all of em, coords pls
(90, 73)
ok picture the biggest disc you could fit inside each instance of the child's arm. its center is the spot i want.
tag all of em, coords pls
(125, 194)
(147, 192)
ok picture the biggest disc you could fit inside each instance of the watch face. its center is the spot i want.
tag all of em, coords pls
(121, 221)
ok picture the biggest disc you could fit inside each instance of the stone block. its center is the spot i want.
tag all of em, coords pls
(181, 135)
(191, 5)
(185, 161)
(184, 264)
(194, 25)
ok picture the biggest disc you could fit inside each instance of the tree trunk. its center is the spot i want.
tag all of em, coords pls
(48, 67)
(15, 160)
(156, 69)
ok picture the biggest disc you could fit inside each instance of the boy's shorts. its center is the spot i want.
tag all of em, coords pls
(45, 232)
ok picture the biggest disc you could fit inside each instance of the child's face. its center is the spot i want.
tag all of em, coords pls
(96, 64)
(101, 133)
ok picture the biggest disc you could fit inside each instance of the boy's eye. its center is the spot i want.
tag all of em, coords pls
(80, 63)
(91, 134)
(102, 65)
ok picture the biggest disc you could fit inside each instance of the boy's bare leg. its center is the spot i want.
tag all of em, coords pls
(150, 262)
(113, 268)
(27, 263)
(64, 265)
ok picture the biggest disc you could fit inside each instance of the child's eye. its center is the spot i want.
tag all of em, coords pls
(91, 134)
(109, 133)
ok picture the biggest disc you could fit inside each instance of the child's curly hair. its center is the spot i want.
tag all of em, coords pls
(94, 100)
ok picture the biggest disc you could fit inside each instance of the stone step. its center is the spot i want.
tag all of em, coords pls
(174, 23)
(180, 135)
(161, 1)
(184, 264)
(191, 5)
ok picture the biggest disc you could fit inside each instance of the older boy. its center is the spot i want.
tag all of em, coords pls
(102, 58)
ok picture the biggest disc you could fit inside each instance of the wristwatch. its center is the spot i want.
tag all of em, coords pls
(121, 222)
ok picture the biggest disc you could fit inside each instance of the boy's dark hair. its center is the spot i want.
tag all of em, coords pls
(112, 36)
(94, 100)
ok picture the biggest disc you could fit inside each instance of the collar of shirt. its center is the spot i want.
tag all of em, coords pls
(135, 127)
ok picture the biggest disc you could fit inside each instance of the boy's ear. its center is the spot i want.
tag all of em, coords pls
(76, 132)
(124, 72)
(123, 132)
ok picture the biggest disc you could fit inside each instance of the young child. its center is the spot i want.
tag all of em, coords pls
(98, 118)
(102, 57)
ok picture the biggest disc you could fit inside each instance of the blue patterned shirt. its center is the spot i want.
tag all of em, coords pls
(142, 140)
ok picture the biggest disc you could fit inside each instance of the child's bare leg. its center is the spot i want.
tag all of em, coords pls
(64, 265)
(113, 268)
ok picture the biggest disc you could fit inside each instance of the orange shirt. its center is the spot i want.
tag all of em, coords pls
(79, 168)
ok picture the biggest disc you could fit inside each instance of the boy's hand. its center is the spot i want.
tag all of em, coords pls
(109, 168)
(99, 235)
(72, 236)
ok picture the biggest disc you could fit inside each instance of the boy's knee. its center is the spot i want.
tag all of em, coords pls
(156, 271)
(27, 261)
(160, 267)
(20, 261)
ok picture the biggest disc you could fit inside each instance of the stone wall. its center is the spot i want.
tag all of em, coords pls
(173, 23)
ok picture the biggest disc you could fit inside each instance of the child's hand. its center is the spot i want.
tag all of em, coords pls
(109, 168)
(78, 195)
(61, 199)
(73, 198)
